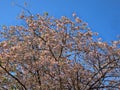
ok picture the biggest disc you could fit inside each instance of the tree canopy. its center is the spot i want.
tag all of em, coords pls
(57, 54)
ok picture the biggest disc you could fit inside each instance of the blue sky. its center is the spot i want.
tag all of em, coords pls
(102, 16)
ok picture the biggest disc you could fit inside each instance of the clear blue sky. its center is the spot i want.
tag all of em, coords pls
(103, 16)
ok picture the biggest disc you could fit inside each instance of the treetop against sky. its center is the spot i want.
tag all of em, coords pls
(103, 16)
(56, 49)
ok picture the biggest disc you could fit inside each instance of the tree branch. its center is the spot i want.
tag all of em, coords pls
(13, 77)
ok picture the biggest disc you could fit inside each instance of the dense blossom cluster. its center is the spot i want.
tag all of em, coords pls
(57, 54)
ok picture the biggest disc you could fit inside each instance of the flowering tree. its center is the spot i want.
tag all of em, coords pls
(57, 54)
